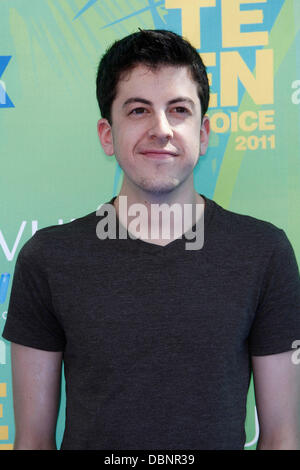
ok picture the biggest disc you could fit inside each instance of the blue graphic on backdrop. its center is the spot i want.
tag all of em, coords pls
(4, 282)
(5, 101)
(88, 4)
(159, 23)
(152, 7)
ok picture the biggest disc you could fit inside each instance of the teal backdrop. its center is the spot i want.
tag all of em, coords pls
(52, 167)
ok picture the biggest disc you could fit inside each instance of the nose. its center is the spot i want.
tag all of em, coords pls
(160, 127)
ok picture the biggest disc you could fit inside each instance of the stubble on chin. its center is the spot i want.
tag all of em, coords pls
(158, 187)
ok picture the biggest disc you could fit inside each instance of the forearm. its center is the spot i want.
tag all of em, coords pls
(36, 393)
(29, 443)
(276, 443)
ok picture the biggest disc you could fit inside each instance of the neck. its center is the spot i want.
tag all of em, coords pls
(158, 218)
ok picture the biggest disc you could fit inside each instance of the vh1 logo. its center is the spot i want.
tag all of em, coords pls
(4, 283)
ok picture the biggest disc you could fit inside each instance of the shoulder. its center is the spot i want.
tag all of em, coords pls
(246, 227)
(242, 238)
(63, 239)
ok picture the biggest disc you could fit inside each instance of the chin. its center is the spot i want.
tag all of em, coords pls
(159, 187)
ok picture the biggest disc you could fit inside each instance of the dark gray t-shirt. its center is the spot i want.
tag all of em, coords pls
(157, 340)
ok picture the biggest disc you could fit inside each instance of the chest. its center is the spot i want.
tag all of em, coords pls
(145, 305)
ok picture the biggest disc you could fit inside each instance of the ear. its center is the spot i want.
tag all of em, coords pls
(204, 135)
(105, 136)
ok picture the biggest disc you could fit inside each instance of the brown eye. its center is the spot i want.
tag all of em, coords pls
(137, 111)
(181, 110)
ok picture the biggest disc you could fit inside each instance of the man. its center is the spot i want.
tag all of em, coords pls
(158, 341)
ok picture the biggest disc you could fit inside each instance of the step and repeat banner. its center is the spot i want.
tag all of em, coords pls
(52, 167)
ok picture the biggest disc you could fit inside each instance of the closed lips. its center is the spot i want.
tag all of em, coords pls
(159, 152)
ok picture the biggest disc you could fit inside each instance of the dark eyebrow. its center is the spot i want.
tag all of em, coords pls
(179, 99)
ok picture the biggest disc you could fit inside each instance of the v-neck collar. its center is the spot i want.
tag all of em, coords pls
(176, 246)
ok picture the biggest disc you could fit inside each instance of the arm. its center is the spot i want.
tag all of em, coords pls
(36, 378)
(277, 394)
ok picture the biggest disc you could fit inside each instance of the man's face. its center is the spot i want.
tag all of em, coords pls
(156, 132)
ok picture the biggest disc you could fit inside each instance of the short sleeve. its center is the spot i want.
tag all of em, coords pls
(277, 321)
(31, 319)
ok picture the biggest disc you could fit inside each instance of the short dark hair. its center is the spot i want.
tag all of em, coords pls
(152, 48)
